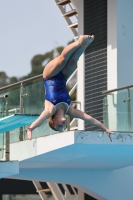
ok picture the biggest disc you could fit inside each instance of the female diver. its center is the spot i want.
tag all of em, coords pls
(57, 99)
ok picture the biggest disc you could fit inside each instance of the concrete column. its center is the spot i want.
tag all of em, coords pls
(81, 66)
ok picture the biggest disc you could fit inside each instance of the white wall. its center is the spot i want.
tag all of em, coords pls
(125, 42)
(111, 45)
(120, 43)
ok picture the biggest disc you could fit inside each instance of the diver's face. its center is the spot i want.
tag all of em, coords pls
(60, 124)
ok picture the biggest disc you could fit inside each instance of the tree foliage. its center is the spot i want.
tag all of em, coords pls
(3, 79)
(38, 62)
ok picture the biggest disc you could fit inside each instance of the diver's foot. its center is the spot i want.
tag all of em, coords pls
(29, 133)
(89, 39)
(82, 39)
(86, 39)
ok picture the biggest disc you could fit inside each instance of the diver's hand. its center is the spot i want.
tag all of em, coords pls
(108, 132)
(29, 133)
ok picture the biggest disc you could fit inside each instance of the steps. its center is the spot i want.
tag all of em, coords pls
(54, 188)
(62, 3)
(70, 13)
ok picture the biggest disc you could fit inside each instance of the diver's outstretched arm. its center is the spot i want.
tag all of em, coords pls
(75, 113)
(38, 122)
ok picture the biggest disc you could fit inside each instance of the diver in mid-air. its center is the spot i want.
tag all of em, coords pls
(57, 99)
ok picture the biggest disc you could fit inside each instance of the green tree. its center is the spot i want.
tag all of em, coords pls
(3, 79)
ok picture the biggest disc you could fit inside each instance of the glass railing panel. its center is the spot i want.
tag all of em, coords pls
(2, 108)
(109, 112)
(121, 111)
(115, 111)
(1, 145)
(33, 100)
(13, 100)
(14, 108)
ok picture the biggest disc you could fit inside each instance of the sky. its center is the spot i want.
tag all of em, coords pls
(28, 28)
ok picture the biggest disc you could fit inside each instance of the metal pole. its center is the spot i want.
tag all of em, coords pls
(128, 110)
(7, 146)
(21, 98)
(68, 123)
(105, 112)
(21, 111)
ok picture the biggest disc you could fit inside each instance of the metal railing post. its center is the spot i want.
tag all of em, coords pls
(21, 98)
(21, 111)
(7, 145)
(128, 110)
(105, 112)
(68, 123)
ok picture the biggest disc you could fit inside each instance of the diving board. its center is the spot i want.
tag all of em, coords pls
(15, 121)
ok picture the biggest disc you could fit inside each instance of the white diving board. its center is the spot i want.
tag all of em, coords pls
(15, 121)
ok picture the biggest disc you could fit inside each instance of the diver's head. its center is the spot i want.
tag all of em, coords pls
(57, 123)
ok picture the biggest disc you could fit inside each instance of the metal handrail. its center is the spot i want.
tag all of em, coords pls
(19, 83)
(30, 79)
(117, 89)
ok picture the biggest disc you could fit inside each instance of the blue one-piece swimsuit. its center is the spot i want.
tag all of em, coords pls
(56, 91)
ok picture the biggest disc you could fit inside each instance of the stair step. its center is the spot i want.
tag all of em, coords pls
(75, 25)
(70, 13)
(64, 2)
(43, 190)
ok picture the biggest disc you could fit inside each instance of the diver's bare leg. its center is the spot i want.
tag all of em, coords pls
(72, 62)
(56, 65)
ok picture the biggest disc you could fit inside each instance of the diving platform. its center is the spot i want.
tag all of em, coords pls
(86, 160)
(15, 121)
(8, 168)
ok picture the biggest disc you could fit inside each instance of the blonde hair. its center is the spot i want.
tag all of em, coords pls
(51, 123)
